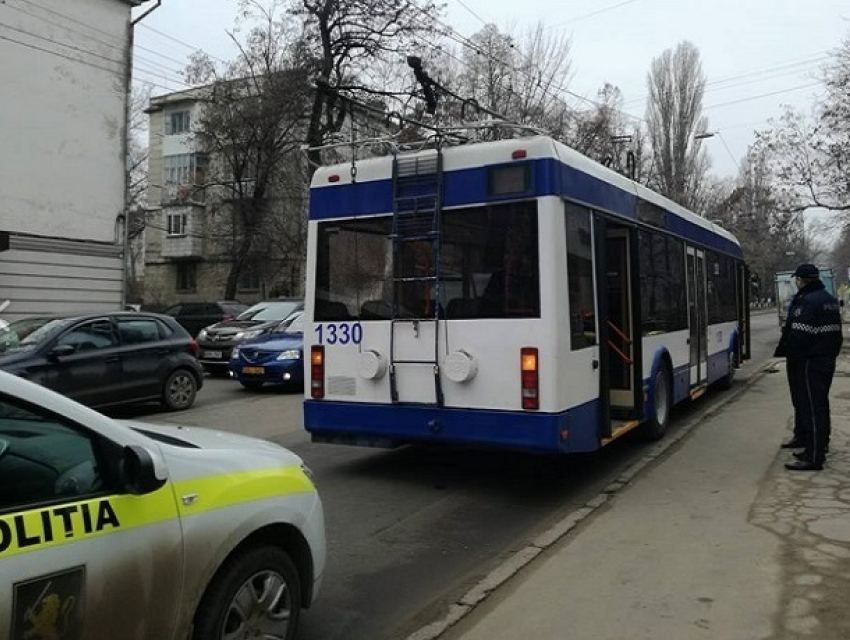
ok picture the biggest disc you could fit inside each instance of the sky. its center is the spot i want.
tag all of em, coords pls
(756, 54)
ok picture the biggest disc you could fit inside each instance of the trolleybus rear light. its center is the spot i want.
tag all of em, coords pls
(334, 177)
(530, 378)
(518, 154)
(317, 372)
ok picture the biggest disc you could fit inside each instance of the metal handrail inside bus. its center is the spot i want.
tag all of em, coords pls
(624, 338)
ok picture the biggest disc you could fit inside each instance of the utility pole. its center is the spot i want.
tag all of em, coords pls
(124, 216)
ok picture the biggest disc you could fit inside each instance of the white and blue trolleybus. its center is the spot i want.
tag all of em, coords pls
(510, 294)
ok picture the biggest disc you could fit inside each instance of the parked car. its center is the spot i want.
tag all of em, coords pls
(216, 342)
(110, 359)
(15, 331)
(276, 357)
(123, 529)
(194, 316)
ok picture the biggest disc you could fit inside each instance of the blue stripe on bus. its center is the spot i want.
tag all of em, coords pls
(469, 186)
(518, 431)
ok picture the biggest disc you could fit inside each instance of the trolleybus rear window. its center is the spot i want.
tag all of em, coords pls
(488, 267)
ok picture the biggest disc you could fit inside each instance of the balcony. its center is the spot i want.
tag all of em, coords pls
(183, 194)
(183, 233)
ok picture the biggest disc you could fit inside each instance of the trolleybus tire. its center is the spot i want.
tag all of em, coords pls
(725, 382)
(656, 426)
(263, 579)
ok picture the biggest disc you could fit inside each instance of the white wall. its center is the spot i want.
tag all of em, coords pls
(62, 117)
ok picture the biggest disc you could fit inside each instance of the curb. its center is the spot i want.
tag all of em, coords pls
(524, 557)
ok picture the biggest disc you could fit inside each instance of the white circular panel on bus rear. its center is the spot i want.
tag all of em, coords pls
(460, 366)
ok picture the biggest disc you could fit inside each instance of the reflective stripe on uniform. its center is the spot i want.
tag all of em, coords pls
(809, 328)
(66, 523)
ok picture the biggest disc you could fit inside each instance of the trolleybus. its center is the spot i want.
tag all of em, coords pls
(511, 294)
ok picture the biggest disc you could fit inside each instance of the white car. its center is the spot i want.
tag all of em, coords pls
(110, 530)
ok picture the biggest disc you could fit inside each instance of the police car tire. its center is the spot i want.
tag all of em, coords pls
(212, 613)
(656, 426)
(179, 390)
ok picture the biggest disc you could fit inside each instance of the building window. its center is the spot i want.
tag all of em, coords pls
(179, 169)
(176, 224)
(177, 122)
(249, 279)
(186, 276)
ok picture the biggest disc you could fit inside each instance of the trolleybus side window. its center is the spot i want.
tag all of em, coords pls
(662, 283)
(580, 278)
(721, 288)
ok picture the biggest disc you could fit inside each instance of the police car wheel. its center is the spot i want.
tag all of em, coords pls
(179, 390)
(255, 594)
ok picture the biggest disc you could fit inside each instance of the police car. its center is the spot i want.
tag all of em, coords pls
(113, 531)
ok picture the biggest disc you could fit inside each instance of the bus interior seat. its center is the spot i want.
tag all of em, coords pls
(460, 308)
(376, 310)
(331, 310)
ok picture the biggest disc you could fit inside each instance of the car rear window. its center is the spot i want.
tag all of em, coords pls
(139, 331)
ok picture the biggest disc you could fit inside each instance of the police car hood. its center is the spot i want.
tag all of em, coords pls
(211, 440)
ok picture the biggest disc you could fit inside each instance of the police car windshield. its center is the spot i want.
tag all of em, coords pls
(40, 335)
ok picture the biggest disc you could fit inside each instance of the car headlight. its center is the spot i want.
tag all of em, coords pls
(234, 355)
(290, 354)
(202, 335)
(247, 335)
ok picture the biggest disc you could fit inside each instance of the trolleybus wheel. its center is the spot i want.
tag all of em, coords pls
(726, 381)
(656, 426)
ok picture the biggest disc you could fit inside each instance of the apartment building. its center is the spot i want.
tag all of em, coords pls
(65, 74)
(190, 233)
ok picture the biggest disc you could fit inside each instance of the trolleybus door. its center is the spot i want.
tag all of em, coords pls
(621, 323)
(698, 337)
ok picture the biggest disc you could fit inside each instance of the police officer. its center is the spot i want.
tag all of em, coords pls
(811, 341)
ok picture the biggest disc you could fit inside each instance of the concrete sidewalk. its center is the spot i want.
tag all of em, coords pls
(712, 540)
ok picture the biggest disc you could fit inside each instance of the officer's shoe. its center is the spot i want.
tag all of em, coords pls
(803, 465)
(793, 443)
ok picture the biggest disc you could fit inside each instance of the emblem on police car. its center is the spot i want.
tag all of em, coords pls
(48, 608)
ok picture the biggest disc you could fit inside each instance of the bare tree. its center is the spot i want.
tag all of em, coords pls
(252, 123)
(137, 185)
(343, 39)
(770, 237)
(674, 116)
(810, 155)
(518, 76)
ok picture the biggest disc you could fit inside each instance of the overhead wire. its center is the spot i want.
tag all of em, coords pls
(172, 74)
(466, 42)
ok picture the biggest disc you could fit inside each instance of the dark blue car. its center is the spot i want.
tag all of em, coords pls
(274, 358)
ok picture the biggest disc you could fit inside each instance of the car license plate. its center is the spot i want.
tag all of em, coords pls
(253, 371)
(215, 355)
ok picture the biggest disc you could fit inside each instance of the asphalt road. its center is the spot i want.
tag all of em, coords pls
(409, 530)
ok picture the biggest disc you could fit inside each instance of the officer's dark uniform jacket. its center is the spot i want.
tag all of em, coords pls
(813, 326)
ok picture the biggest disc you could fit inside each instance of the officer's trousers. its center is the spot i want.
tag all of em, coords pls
(809, 380)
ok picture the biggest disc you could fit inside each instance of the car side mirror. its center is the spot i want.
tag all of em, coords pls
(138, 472)
(61, 351)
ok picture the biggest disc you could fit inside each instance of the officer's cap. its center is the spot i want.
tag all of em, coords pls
(806, 271)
